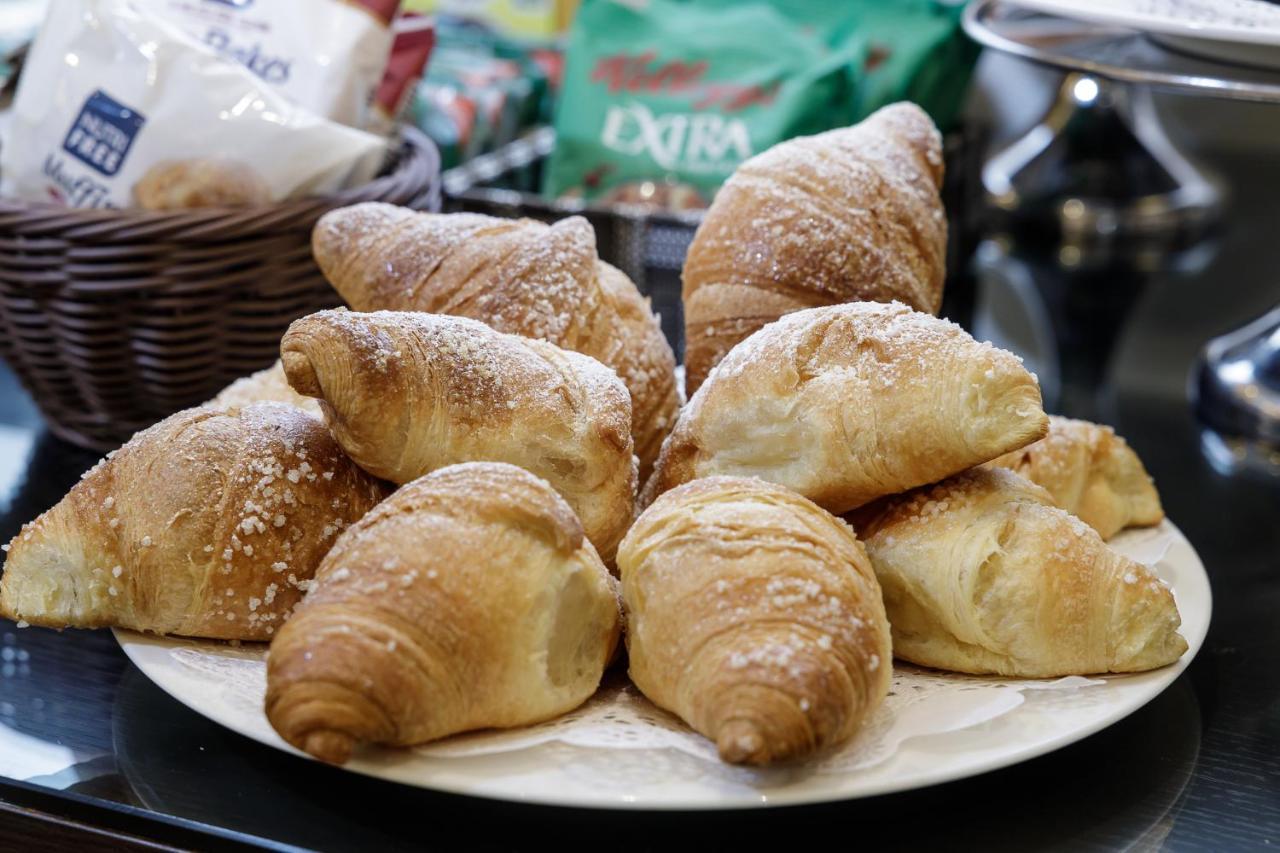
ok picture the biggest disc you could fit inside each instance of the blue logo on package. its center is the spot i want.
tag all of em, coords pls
(101, 135)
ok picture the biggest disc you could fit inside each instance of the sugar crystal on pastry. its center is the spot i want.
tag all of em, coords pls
(179, 505)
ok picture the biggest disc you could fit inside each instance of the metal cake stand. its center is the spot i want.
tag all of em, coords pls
(1101, 171)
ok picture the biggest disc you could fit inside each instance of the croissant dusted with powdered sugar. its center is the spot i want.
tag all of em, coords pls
(406, 393)
(517, 275)
(847, 403)
(754, 615)
(848, 215)
(208, 524)
(983, 574)
(469, 599)
(1090, 472)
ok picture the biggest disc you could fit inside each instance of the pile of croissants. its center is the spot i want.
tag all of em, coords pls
(445, 506)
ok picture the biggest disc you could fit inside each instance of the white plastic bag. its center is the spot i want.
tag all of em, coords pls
(109, 93)
(325, 55)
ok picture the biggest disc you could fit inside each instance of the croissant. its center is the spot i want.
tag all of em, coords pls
(519, 276)
(469, 599)
(209, 524)
(847, 403)
(406, 393)
(755, 616)
(848, 215)
(1090, 472)
(265, 386)
(983, 574)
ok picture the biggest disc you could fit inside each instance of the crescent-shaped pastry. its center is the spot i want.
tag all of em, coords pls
(469, 599)
(209, 524)
(851, 402)
(519, 276)
(1090, 472)
(983, 574)
(406, 393)
(755, 616)
(848, 215)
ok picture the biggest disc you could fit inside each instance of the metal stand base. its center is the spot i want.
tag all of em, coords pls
(1099, 175)
(1237, 386)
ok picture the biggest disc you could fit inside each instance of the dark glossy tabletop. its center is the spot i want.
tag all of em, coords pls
(85, 738)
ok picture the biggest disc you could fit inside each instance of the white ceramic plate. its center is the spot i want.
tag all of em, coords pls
(1239, 32)
(618, 751)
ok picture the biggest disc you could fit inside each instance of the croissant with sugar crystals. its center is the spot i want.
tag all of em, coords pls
(754, 615)
(469, 599)
(406, 393)
(851, 402)
(1092, 473)
(983, 574)
(208, 524)
(848, 215)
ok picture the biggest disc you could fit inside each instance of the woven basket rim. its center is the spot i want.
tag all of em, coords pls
(417, 154)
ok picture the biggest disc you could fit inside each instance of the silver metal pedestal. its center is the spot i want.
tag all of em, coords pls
(1110, 74)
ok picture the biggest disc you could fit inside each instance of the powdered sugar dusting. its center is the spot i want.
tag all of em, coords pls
(851, 214)
(518, 276)
(460, 391)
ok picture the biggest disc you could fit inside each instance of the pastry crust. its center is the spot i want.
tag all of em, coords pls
(755, 616)
(1090, 472)
(406, 393)
(983, 574)
(266, 386)
(519, 276)
(851, 402)
(469, 599)
(209, 524)
(848, 215)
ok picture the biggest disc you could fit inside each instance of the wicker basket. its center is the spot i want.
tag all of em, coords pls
(115, 319)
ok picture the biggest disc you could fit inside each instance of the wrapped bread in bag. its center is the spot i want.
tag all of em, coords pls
(324, 55)
(116, 108)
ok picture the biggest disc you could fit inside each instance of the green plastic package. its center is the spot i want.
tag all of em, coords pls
(675, 95)
(915, 50)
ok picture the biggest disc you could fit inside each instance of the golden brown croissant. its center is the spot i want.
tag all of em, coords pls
(1090, 472)
(469, 599)
(851, 402)
(265, 386)
(208, 524)
(983, 574)
(848, 215)
(406, 393)
(519, 276)
(755, 616)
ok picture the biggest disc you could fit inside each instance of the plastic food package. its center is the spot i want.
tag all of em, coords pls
(522, 19)
(915, 50)
(414, 38)
(662, 100)
(480, 92)
(324, 55)
(112, 100)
